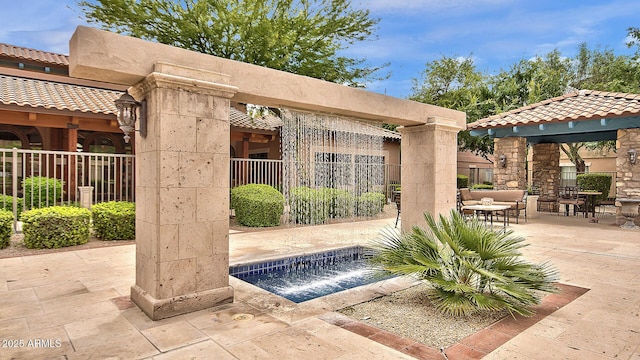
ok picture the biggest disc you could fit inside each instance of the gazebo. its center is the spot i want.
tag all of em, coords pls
(582, 116)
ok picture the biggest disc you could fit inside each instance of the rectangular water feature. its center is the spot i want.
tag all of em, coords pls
(306, 277)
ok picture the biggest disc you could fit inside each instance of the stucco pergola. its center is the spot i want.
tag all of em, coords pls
(182, 165)
(582, 116)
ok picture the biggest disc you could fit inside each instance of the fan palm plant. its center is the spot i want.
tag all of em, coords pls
(471, 268)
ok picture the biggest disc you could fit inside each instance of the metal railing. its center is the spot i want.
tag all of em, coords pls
(256, 171)
(261, 171)
(112, 176)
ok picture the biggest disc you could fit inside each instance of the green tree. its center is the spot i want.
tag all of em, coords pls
(471, 268)
(455, 83)
(604, 71)
(531, 81)
(302, 36)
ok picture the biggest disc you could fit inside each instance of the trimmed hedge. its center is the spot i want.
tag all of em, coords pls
(257, 205)
(595, 181)
(6, 224)
(483, 186)
(308, 206)
(6, 203)
(340, 202)
(462, 181)
(40, 191)
(55, 227)
(114, 220)
(370, 204)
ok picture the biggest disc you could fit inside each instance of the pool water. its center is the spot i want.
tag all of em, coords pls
(307, 277)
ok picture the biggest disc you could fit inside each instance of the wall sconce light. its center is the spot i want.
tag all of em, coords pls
(502, 161)
(633, 156)
(126, 115)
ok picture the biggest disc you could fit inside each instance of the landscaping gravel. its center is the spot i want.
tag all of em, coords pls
(409, 314)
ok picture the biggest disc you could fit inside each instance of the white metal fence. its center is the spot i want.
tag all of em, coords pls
(112, 176)
(260, 171)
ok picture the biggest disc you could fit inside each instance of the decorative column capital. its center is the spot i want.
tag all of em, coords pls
(170, 76)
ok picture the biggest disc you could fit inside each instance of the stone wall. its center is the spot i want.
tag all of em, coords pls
(514, 174)
(545, 166)
(628, 179)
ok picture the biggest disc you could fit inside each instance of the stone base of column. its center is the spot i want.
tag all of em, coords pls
(157, 309)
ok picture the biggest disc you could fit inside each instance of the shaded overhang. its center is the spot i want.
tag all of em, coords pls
(563, 132)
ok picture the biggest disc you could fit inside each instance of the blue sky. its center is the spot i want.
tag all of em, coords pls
(495, 33)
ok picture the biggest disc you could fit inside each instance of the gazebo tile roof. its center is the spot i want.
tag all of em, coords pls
(581, 105)
(19, 52)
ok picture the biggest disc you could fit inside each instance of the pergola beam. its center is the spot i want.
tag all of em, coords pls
(127, 60)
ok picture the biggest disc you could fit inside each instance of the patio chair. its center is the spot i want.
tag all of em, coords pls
(544, 199)
(602, 205)
(569, 196)
(396, 199)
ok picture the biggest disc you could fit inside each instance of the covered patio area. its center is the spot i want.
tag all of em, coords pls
(583, 116)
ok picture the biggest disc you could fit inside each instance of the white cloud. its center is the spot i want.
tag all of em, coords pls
(410, 6)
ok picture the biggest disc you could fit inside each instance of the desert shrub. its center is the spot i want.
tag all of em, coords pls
(471, 268)
(114, 220)
(6, 225)
(257, 205)
(595, 181)
(370, 204)
(6, 203)
(308, 206)
(340, 202)
(55, 227)
(462, 181)
(41, 191)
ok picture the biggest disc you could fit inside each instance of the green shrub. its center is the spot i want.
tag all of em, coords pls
(6, 225)
(6, 202)
(595, 181)
(41, 192)
(55, 227)
(340, 202)
(114, 220)
(471, 267)
(462, 181)
(257, 205)
(483, 186)
(308, 206)
(370, 204)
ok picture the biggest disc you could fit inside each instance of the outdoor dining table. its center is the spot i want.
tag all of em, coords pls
(488, 211)
(591, 201)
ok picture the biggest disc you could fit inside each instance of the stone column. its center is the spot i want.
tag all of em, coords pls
(514, 174)
(429, 166)
(628, 177)
(182, 192)
(546, 169)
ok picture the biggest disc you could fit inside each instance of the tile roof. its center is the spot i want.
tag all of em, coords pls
(581, 105)
(241, 119)
(33, 55)
(52, 95)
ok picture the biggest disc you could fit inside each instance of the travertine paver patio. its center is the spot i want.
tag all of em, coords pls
(76, 303)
